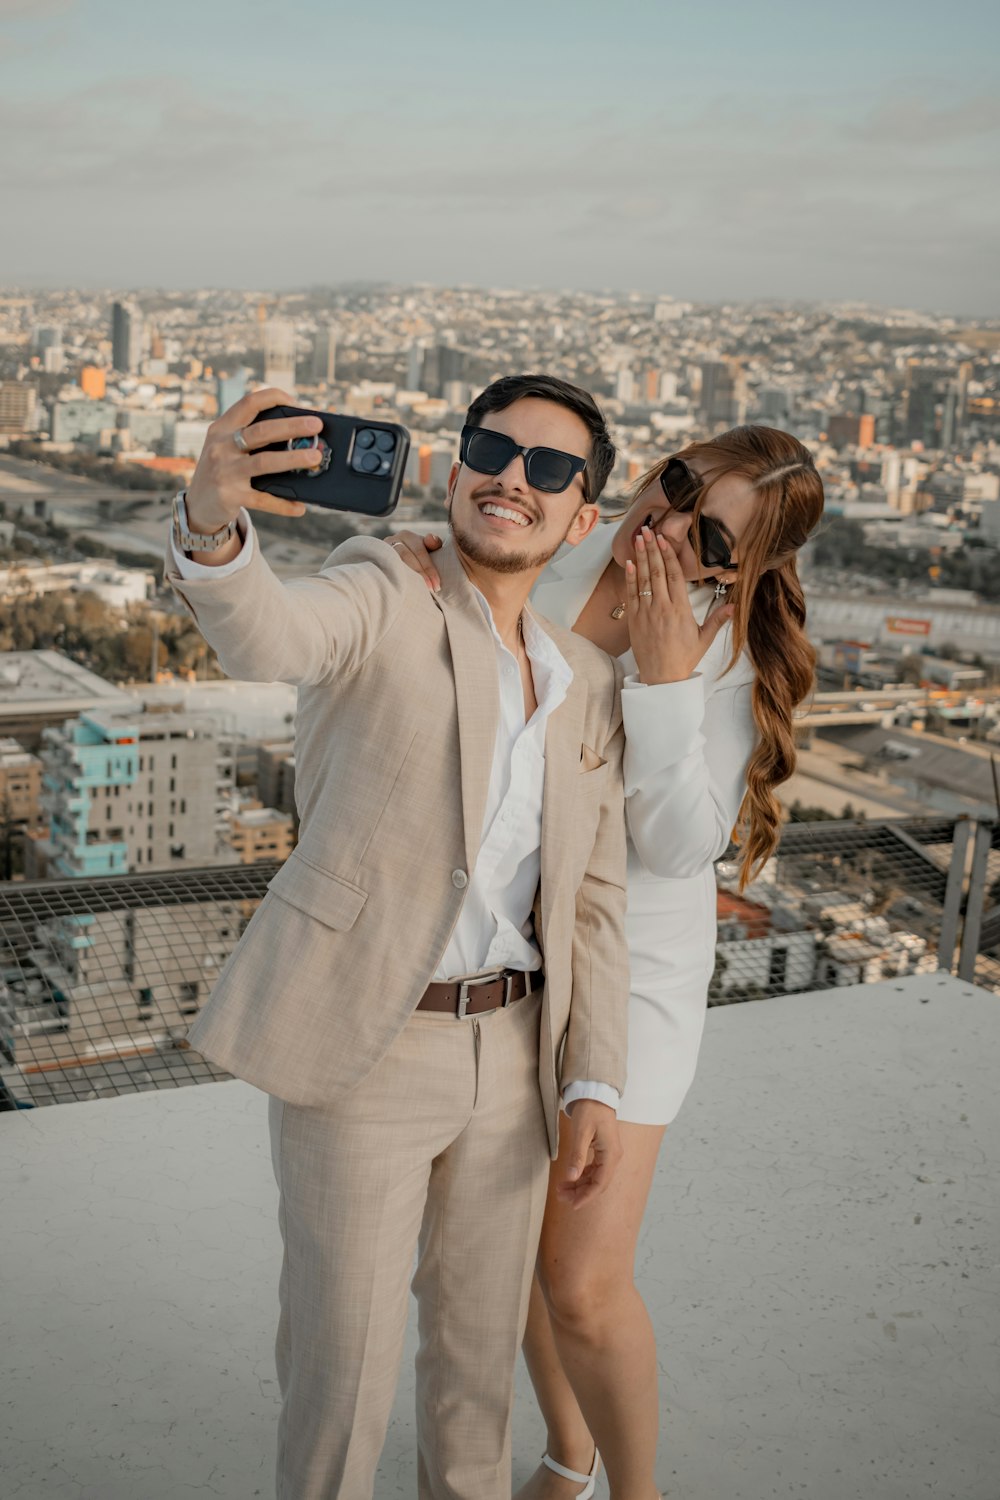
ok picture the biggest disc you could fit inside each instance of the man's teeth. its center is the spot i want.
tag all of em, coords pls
(505, 514)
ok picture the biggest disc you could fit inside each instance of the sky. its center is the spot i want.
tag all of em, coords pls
(831, 151)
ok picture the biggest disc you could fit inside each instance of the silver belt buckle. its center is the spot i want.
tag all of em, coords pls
(473, 983)
(508, 989)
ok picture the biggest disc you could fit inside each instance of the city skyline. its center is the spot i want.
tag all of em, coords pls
(834, 158)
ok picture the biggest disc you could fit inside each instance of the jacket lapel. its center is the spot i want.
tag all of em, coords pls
(477, 690)
(563, 739)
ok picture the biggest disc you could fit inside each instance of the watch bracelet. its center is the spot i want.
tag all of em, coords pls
(191, 541)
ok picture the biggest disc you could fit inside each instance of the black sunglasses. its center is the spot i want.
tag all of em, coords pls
(547, 469)
(681, 487)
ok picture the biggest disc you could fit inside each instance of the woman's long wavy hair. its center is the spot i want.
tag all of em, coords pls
(768, 609)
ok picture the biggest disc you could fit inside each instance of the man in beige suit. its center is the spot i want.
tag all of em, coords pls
(459, 788)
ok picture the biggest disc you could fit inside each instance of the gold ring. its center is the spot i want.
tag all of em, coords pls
(645, 593)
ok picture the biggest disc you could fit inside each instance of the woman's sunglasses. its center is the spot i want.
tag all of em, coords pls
(681, 487)
(546, 469)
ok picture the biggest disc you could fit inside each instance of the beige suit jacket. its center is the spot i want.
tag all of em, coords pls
(395, 730)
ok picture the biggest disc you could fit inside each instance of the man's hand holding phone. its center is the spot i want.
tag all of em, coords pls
(231, 457)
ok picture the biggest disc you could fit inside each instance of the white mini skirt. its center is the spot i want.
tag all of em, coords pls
(671, 928)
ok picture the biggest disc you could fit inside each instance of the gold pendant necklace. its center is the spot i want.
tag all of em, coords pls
(618, 611)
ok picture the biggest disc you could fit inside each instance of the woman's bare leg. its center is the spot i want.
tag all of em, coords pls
(594, 1368)
(568, 1438)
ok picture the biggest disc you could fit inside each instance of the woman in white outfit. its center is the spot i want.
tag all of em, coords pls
(697, 592)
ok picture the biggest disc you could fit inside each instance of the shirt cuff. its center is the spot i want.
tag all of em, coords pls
(662, 721)
(602, 1092)
(188, 568)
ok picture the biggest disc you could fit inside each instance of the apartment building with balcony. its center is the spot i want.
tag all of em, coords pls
(134, 790)
(126, 790)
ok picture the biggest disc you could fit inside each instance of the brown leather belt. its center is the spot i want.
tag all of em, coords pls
(470, 997)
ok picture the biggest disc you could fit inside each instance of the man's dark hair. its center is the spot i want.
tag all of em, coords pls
(510, 388)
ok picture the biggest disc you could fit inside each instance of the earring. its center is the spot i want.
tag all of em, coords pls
(721, 589)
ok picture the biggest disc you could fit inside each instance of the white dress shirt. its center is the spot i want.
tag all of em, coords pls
(494, 930)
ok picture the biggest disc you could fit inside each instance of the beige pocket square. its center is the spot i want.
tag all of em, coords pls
(590, 760)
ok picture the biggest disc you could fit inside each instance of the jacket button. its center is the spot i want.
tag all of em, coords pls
(459, 879)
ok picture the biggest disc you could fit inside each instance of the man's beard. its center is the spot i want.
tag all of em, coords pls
(496, 560)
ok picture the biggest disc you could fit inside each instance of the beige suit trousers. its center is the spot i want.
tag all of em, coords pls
(442, 1151)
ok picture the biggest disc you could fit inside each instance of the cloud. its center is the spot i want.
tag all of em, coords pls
(735, 196)
(33, 10)
(154, 135)
(914, 122)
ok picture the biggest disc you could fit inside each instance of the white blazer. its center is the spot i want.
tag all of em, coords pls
(686, 753)
(687, 743)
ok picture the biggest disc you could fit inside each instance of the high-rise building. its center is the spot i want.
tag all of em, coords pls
(934, 404)
(624, 385)
(73, 420)
(324, 354)
(668, 388)
(17, 406)
(187, 438)
(723, 397)
(93, 382)
(126, 337)
(441, 364)
(47, 341)
(773, 406)
(276, 775)
(47, 336)
(955, 407)
(414, 366)
(418, 465)
(924, 398)
(279, 354)
(231, 388)
(848, 430)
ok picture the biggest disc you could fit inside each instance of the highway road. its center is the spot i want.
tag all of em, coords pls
(137, 523)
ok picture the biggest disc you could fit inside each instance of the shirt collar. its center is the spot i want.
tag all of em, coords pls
(551, 671)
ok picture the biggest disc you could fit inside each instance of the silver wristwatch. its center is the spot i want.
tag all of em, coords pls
(187, 540)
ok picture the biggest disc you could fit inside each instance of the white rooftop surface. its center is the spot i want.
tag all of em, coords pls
(30, 678)
(258, 710)
(819, 1260)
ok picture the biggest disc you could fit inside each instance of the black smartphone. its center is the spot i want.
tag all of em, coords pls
(363, 468)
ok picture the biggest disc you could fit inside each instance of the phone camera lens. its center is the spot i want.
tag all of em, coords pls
(365, 438)
(371, 463)
(385, 442)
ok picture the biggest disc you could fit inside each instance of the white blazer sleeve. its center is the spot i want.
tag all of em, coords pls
(687, 747)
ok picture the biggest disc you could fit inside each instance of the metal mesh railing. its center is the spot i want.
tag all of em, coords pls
(841, 903)
(986, 880)
(100, 979)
